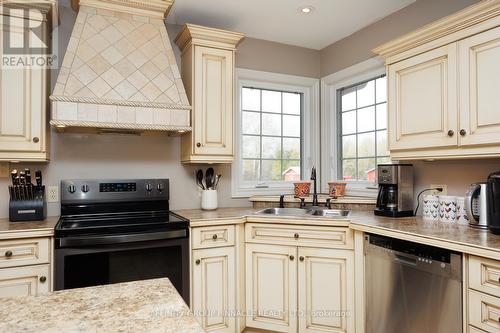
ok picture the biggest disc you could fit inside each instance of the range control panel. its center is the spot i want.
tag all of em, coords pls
(92, 190)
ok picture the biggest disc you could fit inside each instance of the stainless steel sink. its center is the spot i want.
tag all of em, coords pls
(315, 211)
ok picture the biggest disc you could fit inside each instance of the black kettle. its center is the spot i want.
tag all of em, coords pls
(494, 202)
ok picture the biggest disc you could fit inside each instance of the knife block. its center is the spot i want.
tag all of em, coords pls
(34, 209)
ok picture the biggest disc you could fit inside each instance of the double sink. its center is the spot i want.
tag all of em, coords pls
(298, 212)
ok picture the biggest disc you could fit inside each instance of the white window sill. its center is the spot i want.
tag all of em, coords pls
(321, 199)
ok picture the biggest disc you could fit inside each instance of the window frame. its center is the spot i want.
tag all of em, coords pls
(330, 85)
(310, 139)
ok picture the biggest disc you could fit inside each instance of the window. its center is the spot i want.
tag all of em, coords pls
(271, 135)
(362, 129)
(276, 133)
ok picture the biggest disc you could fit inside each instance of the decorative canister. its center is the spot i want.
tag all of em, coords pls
(461, 214)
(302, 189)
(336, 189)
(447, 208)
(431, 207)
(209, 199)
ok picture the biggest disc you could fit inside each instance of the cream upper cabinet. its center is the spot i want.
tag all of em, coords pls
(479, 89)
(208, 75)
(23, 98)
(422, 100)
(271, 287)
(214, 289)
(325, 290)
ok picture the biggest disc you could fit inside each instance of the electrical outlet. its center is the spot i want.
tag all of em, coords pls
(443, 186)
(53, 193)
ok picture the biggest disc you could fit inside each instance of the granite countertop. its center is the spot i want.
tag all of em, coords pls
(139, 306)
(29, 229)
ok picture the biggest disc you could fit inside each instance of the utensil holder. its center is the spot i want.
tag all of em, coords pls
(209, 199)
(31, 208)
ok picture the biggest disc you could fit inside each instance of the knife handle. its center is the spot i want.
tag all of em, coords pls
(38, 177)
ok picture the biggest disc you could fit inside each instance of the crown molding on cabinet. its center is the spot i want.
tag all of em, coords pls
(192, 34)
(152, 8)
(471, 20)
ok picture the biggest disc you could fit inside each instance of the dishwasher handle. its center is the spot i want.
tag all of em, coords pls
(405, 260)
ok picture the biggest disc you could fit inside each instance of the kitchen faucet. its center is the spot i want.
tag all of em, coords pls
(315, 192)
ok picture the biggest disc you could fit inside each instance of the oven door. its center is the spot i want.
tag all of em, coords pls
(121, 260)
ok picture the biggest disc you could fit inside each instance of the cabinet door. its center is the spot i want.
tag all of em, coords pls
(326, 294)
(24, 281)
(479, 88)
(271, 287)
(423, 100)
(22, 104)
(214, 293)
(213, 101)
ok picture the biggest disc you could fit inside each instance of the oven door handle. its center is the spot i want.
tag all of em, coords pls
(118, 239)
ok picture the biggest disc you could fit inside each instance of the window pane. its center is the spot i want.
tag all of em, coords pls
(382, 143)
(382, 116)
(383, 160)
(348, 99)
(366, 145)
(271, 170)
(366, 169)
(381, 85)
(349, 146)
(251, 170)
(366, 119)
(291, 170)
(349, 122)
(271, 124)
(250, 99)
(349, 169)
(291, 126)
(251, 123)
(366, 94)
(291, 103)
(271, 101)
(271, 148)
(291, 148)
(250, 146)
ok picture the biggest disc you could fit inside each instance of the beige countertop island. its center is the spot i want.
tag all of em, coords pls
(152, 306)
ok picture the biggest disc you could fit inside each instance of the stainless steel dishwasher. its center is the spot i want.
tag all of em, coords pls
(411, 288)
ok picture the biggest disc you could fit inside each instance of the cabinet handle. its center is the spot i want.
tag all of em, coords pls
(296, 236)
(36, 139)
(463, 132)
(214, 237)
(43, 279)
(198, 145)
(301, 258)
(292, 257)
(198, 261)
(451, 133)
(8, 254)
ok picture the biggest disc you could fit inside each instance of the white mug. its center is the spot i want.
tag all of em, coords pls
(447, 208)
(431, 207)
(461, 213)
(209, 199)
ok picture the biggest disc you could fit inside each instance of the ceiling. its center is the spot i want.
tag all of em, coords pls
(281, 21)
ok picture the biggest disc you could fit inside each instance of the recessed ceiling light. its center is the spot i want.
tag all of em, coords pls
(306, 9)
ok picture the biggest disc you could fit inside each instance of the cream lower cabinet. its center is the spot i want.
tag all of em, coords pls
(299, 289)
(24, 281)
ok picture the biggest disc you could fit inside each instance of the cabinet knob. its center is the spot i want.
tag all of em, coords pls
(296, 236)
(36, 139)
(198, 144)
(463, 132)
(43, 279)
(198, 261)
(214, 237)
(292, 257)
(8, 254)
(301, 258)
(451, 133)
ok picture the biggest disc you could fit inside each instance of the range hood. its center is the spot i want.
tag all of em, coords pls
(119, 72)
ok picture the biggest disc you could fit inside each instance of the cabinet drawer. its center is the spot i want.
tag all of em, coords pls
(312, 236)
(215, 236)
(472, 329)
(21, 252)
(484, 311)
(484, 275)
(24, 281)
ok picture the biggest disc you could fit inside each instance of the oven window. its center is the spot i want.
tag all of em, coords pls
(91, 269)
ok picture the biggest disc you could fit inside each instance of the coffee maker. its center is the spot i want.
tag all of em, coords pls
(493, 190)
(395, 190)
